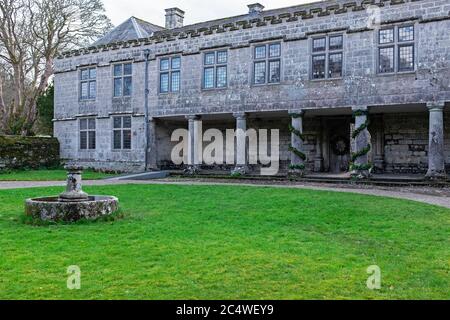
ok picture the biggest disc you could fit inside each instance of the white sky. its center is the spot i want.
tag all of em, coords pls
(196, 10)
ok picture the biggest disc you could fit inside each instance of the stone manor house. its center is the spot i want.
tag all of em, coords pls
(351, 85)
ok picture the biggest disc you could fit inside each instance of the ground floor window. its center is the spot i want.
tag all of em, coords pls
(87, 134)
(122, 133)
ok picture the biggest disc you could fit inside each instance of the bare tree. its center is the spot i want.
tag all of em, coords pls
(32, 33)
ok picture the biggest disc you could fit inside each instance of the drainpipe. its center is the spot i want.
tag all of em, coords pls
(147, 59)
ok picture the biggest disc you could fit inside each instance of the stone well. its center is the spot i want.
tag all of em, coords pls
(73, 204)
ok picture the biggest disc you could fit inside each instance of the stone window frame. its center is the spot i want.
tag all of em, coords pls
(169, 72)
(89, 80)
(122, 76)
(327, 52)
(267, 59)
(215, 66)
(122, 129)
(396, 45)
(88, 130)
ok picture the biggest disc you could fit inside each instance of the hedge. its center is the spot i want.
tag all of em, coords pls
(18, 152)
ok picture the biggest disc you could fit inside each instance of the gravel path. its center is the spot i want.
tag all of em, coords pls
(429, 195)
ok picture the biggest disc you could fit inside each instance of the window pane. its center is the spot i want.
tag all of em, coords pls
(260, 52)
(208, 78)
(221, 77)
(222, 57)
(260, 73)
(175, 81)
(335, 65)
(274, 71)
(117, 122)
(126, 122)
(118, 87)
(164, 64)
(84, 91)
(92, 89)
(117, 139)
(117, 70)
(274, 50)
(92, 73)
(386, 36)
(127, 86)
(176, 63)
(406, 58)
(318, 67)
(128, 69)
(91, 124)
(83, 140)
(91, 140)
(336, 43)
(164, 83)
(386, 60)
(319, 44)
(210, 58)
(83, 124)
(84, 74)
(127, 139)
(406, 33)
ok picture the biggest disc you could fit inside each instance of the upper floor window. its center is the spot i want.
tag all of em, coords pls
(87, 134)
(327, 57)
(267, 64)
(215, 69)
(88, 83)
(396, 49)
(122, 133)
(170, 75)
(123, 81)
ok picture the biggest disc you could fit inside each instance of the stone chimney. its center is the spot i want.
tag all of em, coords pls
(174, 18)
(255, 8)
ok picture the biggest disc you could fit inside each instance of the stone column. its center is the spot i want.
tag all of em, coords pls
(297, 156)
(152, 145)
(241, 143)
(378, 155)
(436, 157)
(362, 145)
(194, 144)
(318, 159)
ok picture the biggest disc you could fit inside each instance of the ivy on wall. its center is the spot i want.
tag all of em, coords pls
(294, 150)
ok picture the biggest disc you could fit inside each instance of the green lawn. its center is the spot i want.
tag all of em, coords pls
(48, 175)
(227, 242)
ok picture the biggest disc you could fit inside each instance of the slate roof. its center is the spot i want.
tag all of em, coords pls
(131, 29)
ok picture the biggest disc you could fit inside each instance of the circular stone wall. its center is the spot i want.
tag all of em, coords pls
(52, 209)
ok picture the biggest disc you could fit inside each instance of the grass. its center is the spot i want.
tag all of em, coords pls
(48, 175)
(228, 242)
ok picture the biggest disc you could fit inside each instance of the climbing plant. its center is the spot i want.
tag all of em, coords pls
(294, 150)
(356, 155)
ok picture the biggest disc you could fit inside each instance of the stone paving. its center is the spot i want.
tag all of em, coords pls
(429, 195)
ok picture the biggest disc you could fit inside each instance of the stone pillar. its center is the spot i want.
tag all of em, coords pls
(436, 157)
(362, 146)
(296, 148)
(152, 145)
(378, 154)
(74, 190)
(318, 159)
(241, 144)
(194, 144)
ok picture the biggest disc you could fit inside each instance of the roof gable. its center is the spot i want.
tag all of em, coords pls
(131, 29)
